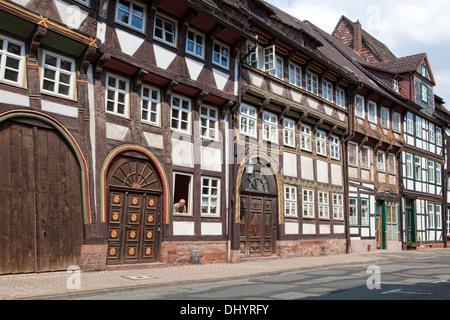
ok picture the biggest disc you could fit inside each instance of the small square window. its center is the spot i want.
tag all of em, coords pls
(117, 89)
(12, 58)
(131, 14)
(165, 30)
(58, 75)
(221, 55)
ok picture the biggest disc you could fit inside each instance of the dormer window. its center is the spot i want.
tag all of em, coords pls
(423, 69)
(395, 85)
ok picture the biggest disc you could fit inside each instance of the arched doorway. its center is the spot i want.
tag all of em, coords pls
(258, 211)
(134, 205)
(41, 222)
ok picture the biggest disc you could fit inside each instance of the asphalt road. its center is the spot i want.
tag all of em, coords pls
(418, 279)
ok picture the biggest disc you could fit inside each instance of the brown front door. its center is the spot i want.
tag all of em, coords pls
(40, 196)
(257, 237)
(134, 214)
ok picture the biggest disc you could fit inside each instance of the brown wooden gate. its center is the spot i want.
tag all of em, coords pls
(40, 196)
(134, 212)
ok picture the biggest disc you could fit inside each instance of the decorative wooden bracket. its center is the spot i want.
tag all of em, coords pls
(377, 146)
(37, 37)
(88, 54)
(139, 77)
(363, 142)
(318, 123)
(199, 98)
(170, 86)
(99, 65)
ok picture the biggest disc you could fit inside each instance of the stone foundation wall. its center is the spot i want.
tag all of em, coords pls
(93, 257)
(179, 252)
(314, 248)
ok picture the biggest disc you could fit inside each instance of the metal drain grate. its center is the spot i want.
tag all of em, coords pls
(139, 277)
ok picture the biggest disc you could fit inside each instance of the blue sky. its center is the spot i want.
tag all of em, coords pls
(407, 27)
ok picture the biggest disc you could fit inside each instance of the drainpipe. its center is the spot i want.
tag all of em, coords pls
(350, 135)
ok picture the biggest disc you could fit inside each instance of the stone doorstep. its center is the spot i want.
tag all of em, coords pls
(136, 266)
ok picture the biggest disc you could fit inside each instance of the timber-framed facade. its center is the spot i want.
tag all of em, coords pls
(113, 111)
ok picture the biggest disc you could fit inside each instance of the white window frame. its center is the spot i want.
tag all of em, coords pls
(130, 14)
(218, 58)
(418, 168)
(364, 211)
(409, 166)
(396, 122)
(324, 205)
(410, 123)
(381, 165)
(209, 123)
(338, 206)
(270, 127)
(431, 216)
(438, 215)
(252, 58)
(395, 85)
(295, 75)
(321, 143)
(248, 120)
(195, 43)
(359, 106)
(335, 147)
(438, 170)
(340, 98)
(353, 146)
(58, 72)
(353, 219)
(438, 136)
(5, 54)
(305, 137)
(212, 197)
(290, 201)
(391, 165)
(163, 29)
(431, 172)
(424, 92)
(289, 132)
(372, 111)
(418, 127)
(312, 83)
(117, 94)
(150, 104)
(384, 117)
(189, 206)
(327, 91)
(308, 203)
(180, 110)
(365, 159)
(432, 133)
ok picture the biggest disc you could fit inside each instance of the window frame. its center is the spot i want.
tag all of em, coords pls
(305, 138)
(431, 172)
(289, 132)
(364, 219)
(335, 147)
(57, 73)
(295, 75)
(195, 44)
(130, 15)
(327, 91)
(410, 124)
(438, 136)
(418, 126)
(220, 54)
(21, 74)
(422, 92)
(324, 204)
(355, 146)
(340, 98)
(359, 114)
(338, 206)
(367, 156)
(272, 126)
(180, 110)
(379, 168)
(117, 92)
(438, 181)
(321, 143)
(150, 100)
(384, 117)
(308, 204)
(312, 83)
(372, 116)
(166, 20)
(353, 221)
(208, 120)
(396, 124)
(290, 201)
(391, 169)
(209, 196)
(248, 118)
(409, 163)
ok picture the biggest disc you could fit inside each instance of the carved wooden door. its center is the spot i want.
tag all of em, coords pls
(257, 237)
(134, 214)
(40, 195)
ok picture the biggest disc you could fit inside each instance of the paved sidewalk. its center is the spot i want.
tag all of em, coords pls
(55, 285)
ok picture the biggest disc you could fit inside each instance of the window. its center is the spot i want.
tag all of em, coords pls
(431, 217)
(289, 132)
(312, 83)
(418, 168)
(131, 14)
(323, 205)
(247, 119)
(208, 122)
(334, 147)
(409, 166)
(438, 174)
(295, 75)
(384, 115)
(353, 214)
(365, 158)
(150, 105)
(117, 89)
(392, 221)
(12, 57)
(364, 211)
(432, 133)
(305, 137)
(183, 190)
(396, 121)
(220, 55)
(290, 201)
(327, 91)
(424, 92)
(279, 68)
(380, 161)
(352, 154)
(359, 106)
(338, 210)
(273, 64)
(85, 2)
(395, 85)
(423, 69)
(308, 203)
(58, 75)
(270, 127)
(391, 164)
(180, 113)
(340, 98)
(410, 123)
(210, 197)
(438, 210)
(372, 112)
(418, 127)
(321, 143)
(431, 172)
(165, 30)
(195, 43)
(252, 58)
(438, 137)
